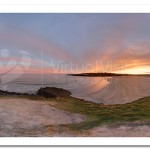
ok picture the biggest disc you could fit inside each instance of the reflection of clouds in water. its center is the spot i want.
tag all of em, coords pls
(112, 79)
(73, 82)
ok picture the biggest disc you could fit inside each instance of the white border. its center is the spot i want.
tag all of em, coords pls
(74, 2)
(74, 141)
(75, 6)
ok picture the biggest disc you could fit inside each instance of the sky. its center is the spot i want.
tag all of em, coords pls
(74, 43)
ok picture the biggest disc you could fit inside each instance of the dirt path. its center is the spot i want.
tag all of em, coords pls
(103, 131)
(121, 131)
(21, 117)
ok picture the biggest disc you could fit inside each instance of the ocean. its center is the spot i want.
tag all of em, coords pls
(30, 83)
(106, 90)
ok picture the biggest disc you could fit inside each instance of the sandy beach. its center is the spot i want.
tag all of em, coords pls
(119, 90)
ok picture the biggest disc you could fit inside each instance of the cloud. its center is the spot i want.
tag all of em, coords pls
(116, 50)
(34, 43)
(103, 47)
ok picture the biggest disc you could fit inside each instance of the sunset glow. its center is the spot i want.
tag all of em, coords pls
(75, 43)
(140, 70)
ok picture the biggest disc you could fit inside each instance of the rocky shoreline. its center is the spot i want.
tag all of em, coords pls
(47, 92)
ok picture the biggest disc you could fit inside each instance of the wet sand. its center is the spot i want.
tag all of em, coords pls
(119, 90)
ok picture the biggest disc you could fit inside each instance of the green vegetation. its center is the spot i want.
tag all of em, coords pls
(98, 114)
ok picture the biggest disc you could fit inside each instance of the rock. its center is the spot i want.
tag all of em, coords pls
(52, 92)
(8, 93)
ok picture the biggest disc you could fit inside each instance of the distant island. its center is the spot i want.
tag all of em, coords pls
(106, 74)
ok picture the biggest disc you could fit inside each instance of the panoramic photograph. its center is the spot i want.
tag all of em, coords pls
(74, 75)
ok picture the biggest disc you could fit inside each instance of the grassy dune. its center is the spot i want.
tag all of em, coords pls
(98, 114)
